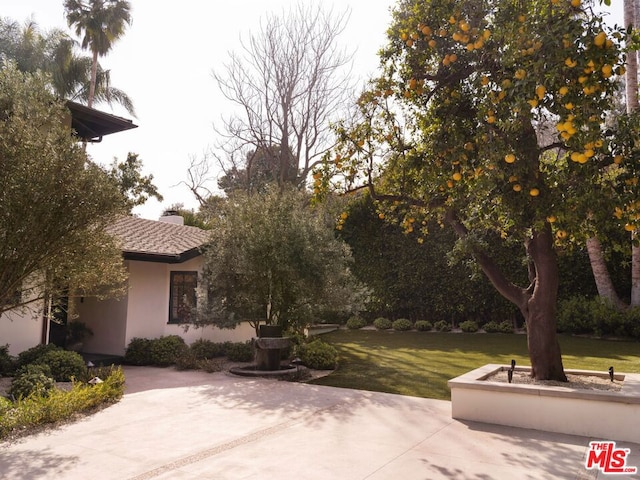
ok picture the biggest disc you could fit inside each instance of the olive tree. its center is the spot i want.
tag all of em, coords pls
(273, 259)
(54, 202)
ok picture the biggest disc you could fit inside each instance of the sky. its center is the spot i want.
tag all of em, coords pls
(164, 62)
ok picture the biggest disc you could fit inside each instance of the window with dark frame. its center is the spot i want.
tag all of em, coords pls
(182, 296)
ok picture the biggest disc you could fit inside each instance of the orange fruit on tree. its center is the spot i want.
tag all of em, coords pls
(534, 192)
(510, 158)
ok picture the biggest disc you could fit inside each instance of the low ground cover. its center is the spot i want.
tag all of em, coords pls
(420, 364)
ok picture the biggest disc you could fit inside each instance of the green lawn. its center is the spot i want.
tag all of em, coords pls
(419, 364)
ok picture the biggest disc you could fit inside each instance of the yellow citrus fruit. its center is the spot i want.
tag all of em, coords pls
(510, 158)
(561, 234)
(600, 39)
(541, 91)
(576, 3)
(520, 74)
(456, 176)
(629, 228)
(491, 119)
(607, 71)
(563, 90)
(551, 219)
(534, 192)
(381, 216)
(517, 187)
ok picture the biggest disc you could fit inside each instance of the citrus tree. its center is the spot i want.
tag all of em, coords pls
(488, 116)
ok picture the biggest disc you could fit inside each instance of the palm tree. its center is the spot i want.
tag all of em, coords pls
(55, 53)
(631, 78)
(100, 23)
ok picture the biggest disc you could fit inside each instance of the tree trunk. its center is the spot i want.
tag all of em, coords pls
(635, 273)
(540, 311)
(537, 302)
(601, 275)
(92, 82)
(631, 91)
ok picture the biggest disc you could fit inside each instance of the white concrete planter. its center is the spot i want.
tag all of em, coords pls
(592, 413)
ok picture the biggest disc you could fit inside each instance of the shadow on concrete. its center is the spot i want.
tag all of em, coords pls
(34, 464)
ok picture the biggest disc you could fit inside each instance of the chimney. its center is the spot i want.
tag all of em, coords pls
(171, 216)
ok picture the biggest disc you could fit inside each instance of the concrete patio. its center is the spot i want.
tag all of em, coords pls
(195, 425)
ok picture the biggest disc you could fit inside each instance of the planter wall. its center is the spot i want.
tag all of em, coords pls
(592, 413)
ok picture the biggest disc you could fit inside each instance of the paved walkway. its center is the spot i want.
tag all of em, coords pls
(194, 425)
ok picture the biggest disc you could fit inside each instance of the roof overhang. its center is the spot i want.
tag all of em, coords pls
(91, 125)
(162, 258)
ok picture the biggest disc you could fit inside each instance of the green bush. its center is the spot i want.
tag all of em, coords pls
(166, 350)
(423, 326)
(494, 327)
(30, 380)
(138, 352)
(469, 326)
(491, 327)
(32, 354)
(65, 365)
(581, 315)
(382, 323)
(442, 326)
(7, 362)
(356, 323)
(402, 325)
(202, 349)
(318, 355)
(58, 405)
(187, 361)
(239, 351)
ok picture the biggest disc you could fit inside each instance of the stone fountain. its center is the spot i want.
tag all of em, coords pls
(268, 348)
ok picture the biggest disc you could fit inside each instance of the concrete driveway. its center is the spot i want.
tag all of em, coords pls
(194, 425)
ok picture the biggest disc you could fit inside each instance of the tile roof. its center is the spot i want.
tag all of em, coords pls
(151, 240)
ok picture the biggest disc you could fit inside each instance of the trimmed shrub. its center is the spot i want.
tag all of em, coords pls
(382, 323)
(7, 362)
(402, 325)
(239, 351)
(356, 323)
(494, 327)
(491, 327)
(442, 326)
(138, 352)
(202, 349)
(318, 355)
(32, 380)
(166, 350)
(65, 365)
(34, 353)
(423, 325)
(469, 326)
(506, 326)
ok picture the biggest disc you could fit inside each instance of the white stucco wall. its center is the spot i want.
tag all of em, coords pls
(108, 320)
(144, 312)
(22, 328)
(148, 305)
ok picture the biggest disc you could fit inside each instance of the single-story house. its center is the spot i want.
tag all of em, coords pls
(164, 261)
